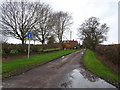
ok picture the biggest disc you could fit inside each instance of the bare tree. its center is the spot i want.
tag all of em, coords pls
(51, 39)
(3, 35)
(18, 18)
(92, 33)
(44, 25)
(62, 22)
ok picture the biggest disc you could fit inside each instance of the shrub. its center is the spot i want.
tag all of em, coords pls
(14, 51)
(111, 52)
(19, 48)
(34, 48)
(6, 48)
(22, 48)
(3, 52)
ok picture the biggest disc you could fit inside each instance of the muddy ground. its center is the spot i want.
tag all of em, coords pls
(65, 72)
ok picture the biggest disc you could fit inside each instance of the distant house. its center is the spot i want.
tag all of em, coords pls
(69, 44)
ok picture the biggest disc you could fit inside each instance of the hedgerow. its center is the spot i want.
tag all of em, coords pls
(111, 52)
(19, 48)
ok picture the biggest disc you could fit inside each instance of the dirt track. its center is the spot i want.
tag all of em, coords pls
(65, 72)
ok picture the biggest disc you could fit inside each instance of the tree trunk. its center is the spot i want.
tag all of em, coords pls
(61, 44)
(22, 41)
(42, 45)
(94, 46)
(34, 42)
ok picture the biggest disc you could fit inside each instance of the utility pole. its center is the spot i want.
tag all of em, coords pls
(70, 35)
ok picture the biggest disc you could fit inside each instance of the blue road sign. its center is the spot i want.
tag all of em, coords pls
(29, 34)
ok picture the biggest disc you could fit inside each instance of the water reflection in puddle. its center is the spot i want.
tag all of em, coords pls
(79, 78)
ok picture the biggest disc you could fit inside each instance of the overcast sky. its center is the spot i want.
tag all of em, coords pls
(106, 10)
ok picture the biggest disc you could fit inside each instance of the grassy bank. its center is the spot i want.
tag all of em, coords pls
(47, 50)
(14, 67)
(99, 68)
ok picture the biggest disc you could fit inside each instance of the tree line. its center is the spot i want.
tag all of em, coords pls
(19, 18)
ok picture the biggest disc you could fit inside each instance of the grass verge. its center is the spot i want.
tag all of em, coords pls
(99, 68)
(51, 49)
(17, 66)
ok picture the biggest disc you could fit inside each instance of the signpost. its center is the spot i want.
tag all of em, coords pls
(29, 35)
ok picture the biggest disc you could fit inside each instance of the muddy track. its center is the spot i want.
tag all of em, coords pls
(65, 72)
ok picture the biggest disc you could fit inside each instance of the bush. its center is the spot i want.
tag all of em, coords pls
(14, 51)
(34, 48)
(3, 52)
(6, 48)
(19, 48)
(111, 52)
(22, 48)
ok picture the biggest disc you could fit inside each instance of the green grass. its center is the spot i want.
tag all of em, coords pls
(16, 66)
(51, 49)
(99, 68)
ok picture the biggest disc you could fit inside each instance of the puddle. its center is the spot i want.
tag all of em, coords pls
(62, 56)
(63, 60)
(79, 78)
